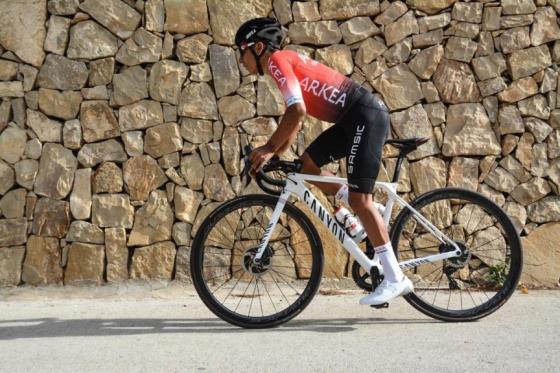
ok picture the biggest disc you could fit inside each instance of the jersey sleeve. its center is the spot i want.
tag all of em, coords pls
(281, 69)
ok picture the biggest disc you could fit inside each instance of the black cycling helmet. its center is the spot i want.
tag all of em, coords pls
(266, 30)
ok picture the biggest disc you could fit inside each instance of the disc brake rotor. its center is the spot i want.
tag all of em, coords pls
(257, 268)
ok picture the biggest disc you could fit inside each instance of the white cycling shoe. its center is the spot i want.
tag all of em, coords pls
(387, 291)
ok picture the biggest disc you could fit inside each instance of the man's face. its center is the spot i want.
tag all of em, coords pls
(247, 58)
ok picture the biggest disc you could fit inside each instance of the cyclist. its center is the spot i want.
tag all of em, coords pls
(361, 126)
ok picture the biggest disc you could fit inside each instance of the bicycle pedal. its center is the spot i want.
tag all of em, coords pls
(383, 305)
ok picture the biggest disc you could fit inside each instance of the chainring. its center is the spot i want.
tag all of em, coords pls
(361, 277)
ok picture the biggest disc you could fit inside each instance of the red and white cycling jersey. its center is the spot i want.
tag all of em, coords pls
(325, 92)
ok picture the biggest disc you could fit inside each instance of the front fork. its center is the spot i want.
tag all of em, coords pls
(271, 224)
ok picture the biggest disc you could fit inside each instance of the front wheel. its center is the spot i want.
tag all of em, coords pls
(249, 294)
(471, 286)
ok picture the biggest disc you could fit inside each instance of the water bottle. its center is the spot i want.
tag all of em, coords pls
(350, 223)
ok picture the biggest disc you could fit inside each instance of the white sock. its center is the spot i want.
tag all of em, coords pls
(391, 269)
(342, 194)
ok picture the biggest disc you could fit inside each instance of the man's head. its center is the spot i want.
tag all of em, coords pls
(256, 37)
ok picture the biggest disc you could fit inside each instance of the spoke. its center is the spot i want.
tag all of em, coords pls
(218, 243)
(269, 297)
(212, 247)
(487, 242)
(431, 282)
(234, 286)
(227, 239)
(287, 282)
(437, 268)
(250, 239)
(252, 297)
(226, 281)
(299, 229)
(488, 257)
(425, 290)
(449, 300)
(263, 215)
(279, 288)
(259, 292)
(233, 230)
(481, 251)
(283, 273)
(468, 291)
(470, 216)
(426, 239)
(299, 242)
(210, 279)
(437, 289)
(289, 267)
(224, 254)
(481, 219)
(243, 296)
(288, 249)
(217, 266)
(476, 226)
(254, 217)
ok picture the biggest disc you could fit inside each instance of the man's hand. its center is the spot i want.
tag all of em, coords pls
(259, 157)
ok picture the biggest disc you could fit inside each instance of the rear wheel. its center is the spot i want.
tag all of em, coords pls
(478, 282)
(249, 294)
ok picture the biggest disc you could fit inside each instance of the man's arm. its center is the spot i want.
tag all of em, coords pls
(281, 71)
(287, 131)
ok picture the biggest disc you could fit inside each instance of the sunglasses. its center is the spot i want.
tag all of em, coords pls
(243, 47)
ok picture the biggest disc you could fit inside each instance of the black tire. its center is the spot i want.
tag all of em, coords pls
(291, 253)
(475, 275)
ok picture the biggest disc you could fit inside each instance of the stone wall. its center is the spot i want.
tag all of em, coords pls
(122, 121)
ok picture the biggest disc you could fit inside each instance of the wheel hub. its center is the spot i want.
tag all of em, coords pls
(458, 261)
(257, 267)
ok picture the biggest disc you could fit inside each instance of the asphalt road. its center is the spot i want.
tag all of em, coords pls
(147, 328)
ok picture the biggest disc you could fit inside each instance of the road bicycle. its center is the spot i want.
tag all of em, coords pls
(257, 260)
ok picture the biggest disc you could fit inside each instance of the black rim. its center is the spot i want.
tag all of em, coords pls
(253, 294)
(478, 282)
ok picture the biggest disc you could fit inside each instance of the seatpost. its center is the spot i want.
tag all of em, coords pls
(398, 168)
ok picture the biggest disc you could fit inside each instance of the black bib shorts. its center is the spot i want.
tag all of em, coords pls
(359, 136)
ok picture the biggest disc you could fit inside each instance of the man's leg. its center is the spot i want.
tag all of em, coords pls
(362, 205)
(327, 147)
(395, 283)
(363, 164)
(309, 167)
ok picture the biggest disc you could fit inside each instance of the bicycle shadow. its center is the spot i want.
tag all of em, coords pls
(55, 327)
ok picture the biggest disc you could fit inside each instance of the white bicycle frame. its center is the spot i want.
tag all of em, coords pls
(295, 184)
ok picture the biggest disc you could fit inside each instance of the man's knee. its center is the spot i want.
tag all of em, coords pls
(309, 167)
(359, 201)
